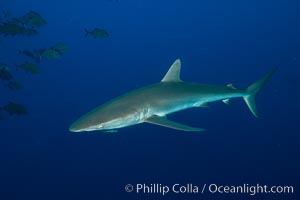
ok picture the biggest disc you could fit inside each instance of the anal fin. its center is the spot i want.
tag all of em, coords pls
(164, 121)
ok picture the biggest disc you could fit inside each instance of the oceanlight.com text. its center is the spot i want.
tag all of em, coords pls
(250, 189)
(190, 188)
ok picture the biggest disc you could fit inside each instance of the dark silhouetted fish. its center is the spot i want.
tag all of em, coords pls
(12, 29)
(15, 109)
(33, 55)
(14, 85)
(97, 33)
(29, 67)
(50, 53)
(61, 48)
(5, 75)
(33, 19)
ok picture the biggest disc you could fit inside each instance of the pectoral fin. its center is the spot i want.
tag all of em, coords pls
(164, 121)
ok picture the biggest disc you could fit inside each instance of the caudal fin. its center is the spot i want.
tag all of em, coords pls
(253, 89)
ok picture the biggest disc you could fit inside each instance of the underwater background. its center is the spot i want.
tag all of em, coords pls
(218, 42)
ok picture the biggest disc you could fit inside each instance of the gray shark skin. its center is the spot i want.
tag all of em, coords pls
(154, 102)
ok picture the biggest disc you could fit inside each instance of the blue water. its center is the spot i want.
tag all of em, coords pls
(218, 42)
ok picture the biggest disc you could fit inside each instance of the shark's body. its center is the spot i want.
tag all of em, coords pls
(154, 102)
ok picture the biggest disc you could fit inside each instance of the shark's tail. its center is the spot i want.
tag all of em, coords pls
(253, 89)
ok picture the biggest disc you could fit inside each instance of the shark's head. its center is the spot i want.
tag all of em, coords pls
(104, 118)
(87, 123)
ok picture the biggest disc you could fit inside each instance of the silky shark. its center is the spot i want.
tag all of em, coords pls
(154, 102)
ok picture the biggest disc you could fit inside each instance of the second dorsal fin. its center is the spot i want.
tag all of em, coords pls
(230, 85)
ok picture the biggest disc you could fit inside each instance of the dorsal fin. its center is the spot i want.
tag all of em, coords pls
(173, 74)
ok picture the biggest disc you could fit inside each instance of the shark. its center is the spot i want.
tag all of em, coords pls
(152, 103)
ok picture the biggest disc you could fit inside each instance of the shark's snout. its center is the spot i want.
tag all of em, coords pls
(83, 124)
(79, 126)
(75, 128)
